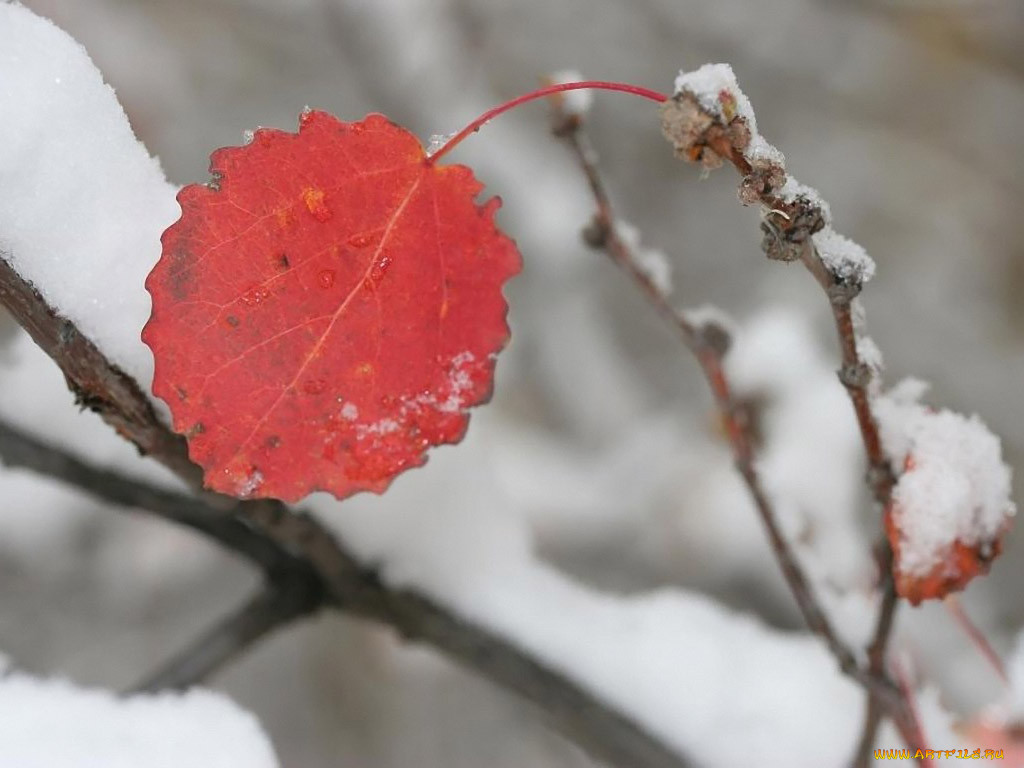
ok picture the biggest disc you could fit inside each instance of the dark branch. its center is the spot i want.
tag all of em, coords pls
(273, 607)
(97, 384)
(18, 449)
(873, 710)
(302, 545)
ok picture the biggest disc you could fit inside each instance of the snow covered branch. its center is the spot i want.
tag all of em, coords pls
(657, 677)
(796, 226)
(97, 384)
(710, 121)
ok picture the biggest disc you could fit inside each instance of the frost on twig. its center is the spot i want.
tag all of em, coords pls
(654, 264)
(75, 283)
(710, 121)
(707, 333)
(939, 475)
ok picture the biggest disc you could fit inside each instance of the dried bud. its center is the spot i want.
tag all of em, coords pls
(785, 234)
(764, 179)
(738, 133)
(565, 124)
(595, 234)
(714, 336)
(685, 123)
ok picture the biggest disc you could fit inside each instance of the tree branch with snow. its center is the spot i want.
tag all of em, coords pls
(710, 121)
(302, 560)
(635, 680)
(705, 333)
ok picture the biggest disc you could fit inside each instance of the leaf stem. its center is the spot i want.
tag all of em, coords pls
(540, 93)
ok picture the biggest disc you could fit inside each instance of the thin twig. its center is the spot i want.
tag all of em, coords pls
(708, 344)
(977, 637)
(873, 709)
(699, 134)
(271, 608)
(97, 384)
(605, 733)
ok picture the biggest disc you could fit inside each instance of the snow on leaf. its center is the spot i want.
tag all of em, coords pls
(951, 504)
(327, 309)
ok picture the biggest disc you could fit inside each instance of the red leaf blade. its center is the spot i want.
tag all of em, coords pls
(328, 311)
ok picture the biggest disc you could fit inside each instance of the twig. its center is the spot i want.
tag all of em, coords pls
(274, 606)
(700, 134)
(96, 383)
(708, 343)
(228, 529)
(977, 637)
(597, 728)
(873, 710)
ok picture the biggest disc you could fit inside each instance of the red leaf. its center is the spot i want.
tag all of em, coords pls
(327, 309)
(960, 563)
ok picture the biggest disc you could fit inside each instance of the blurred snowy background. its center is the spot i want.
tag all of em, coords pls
(905, 115)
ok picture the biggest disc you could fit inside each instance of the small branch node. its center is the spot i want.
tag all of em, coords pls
(855, 375)
(843, 292)
(597, 232)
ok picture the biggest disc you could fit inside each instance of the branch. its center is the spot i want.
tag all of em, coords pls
(225, 527)
(274, 606)
(302, 545)
(722, 134)
(96, 383)
(873, 711)
(708, 342)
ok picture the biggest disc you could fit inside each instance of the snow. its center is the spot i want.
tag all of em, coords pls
(708, 83)
(573, 102)
(455, 389)
(82, 204)
(760, 152)
(868, 351)
(438, 140)
(250, 485)
(792, 190)
(48, 723)
(708, 314)
(953, 486)
(654, 264)
(673, 659)
(844, 259)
